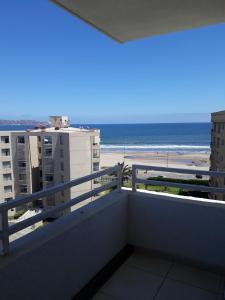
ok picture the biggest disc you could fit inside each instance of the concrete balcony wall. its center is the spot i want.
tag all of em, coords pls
(182, 227)
(57, 261)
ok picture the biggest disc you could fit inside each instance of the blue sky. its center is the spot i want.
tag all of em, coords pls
(53, 63)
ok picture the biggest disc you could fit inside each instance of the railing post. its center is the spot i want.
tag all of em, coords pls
(4, 226)
(119, 177)
(134, 176)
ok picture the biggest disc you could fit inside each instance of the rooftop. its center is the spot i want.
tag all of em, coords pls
(65, 129)
(53, 129)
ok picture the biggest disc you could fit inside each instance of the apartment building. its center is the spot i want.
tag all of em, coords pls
(217, 157)
(37, 159)
(18, 165)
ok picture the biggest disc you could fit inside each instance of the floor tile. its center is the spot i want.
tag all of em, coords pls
(196, 277)
(220, 297)
(154, 265)
(222, 285)
(131, 284)
(102, 296)
(174, 290)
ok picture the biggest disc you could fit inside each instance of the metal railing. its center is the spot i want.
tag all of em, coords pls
(6, 230)
(190, 187)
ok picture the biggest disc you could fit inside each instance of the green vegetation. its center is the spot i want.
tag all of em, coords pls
(172, 190)
(156, 188)
(185, 181)
(126, 182)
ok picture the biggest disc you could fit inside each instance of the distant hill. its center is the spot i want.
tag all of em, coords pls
(23, 122)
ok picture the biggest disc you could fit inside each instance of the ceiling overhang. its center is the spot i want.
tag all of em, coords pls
(126, 20)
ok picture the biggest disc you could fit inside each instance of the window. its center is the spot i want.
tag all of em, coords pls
(7, 177)
(48, 152)
(5, 139)
(61, 140)
(218, 127)
(22, 164)
(5, 152)
(6, 164)
(96, 166)
(61, 153)
(218, 142)
(40, 173)
(23, 188)
(96, 153)
(20, 139)
(49, 177)
(96, 140)
(8, 189)
(62, 166)
(47, 140)
(40, 162)
(39, 138)
(22, 176)
(39, 150)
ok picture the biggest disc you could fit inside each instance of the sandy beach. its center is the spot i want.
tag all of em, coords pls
(194, 160)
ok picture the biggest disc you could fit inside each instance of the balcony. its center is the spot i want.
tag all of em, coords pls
(6, 169)
(4, 140)
(96, 153)
(5, 152)
(129, 244)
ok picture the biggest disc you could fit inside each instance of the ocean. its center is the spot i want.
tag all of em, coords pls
(171, 137)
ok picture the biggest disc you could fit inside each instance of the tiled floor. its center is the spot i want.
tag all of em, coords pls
(142, 277)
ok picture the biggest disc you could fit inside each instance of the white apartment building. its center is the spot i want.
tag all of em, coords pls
(19, 174)
(44, 157)
(217, 157)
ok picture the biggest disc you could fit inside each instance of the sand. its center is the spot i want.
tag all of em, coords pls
(195, 160)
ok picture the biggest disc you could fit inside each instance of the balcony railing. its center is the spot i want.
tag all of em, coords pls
(190, 187)
(6, 230)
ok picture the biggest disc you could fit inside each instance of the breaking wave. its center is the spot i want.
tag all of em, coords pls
(155, 147)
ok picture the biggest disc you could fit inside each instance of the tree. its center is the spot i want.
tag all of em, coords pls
(126, 172)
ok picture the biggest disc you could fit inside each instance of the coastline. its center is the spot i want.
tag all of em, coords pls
(185, 160)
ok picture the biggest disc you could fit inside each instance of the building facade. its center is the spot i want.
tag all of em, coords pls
(37, 159)
(217, 157)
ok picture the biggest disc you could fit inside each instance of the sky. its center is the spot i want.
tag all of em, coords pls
(52, 63)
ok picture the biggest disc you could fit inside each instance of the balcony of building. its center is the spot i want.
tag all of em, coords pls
(128, 244)
(4, 141)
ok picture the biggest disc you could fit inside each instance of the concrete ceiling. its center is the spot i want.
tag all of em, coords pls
(125, 20)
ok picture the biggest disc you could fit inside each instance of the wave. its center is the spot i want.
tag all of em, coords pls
(158, 148)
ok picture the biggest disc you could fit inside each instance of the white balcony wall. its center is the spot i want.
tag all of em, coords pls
(57, 261)
(178, 226)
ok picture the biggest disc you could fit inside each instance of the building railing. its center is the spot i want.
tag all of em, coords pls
(190, 187)
(6, 230)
